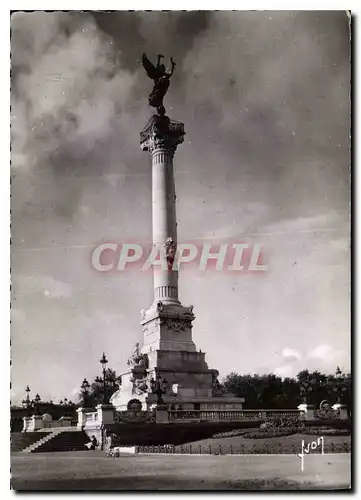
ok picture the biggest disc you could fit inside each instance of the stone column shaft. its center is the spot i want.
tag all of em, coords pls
(164, 222)
(160, 138)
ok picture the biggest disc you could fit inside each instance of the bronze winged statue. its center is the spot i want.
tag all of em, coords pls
(161, 81)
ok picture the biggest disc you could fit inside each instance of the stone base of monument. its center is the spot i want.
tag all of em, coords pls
(169, 358)
(187, 398)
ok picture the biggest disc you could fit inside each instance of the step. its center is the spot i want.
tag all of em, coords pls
(41, 441)
(64, 440)
(22, 440)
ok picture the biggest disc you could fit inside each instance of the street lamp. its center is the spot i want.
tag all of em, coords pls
(340, 387)
(305, 390)
(37, 400)
(104, 363)
(85, 386)
(26, 402)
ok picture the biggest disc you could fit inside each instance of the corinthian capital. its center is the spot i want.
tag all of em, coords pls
(161, 133)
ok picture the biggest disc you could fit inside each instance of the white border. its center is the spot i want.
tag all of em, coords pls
(177, 5)
(5, 140)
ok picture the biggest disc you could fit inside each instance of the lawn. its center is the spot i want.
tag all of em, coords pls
(284, 444)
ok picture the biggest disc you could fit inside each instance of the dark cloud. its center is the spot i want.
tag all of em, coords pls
(137, 32)
(266, 87)
(275, 84)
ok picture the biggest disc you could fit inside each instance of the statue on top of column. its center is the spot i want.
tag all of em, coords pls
(161, 81)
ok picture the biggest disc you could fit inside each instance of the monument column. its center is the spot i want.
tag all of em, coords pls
(167, 324)
(164, 224)
(160, 138)
(169, 364)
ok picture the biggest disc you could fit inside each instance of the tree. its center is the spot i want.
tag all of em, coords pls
(314, 386)
(271, 392)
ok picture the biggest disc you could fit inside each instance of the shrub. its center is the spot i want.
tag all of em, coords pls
(327, 414)
(334, 424)
(266, 425)
(326, 431)
(282, 421)
(236, 432)
(273, 432)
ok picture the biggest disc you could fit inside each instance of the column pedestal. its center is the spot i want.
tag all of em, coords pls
(161, 416)
(342, 409)
(307, 410)
(105, 414)
(81, 416)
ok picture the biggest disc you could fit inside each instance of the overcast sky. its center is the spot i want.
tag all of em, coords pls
(265, 101)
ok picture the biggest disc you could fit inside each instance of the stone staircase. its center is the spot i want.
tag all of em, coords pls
(56, 439)
(38, 444)
(22, 440)
(64, 440)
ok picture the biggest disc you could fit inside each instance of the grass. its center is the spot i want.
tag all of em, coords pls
(284, 444)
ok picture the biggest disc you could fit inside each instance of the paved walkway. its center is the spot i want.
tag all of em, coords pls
(92, 471)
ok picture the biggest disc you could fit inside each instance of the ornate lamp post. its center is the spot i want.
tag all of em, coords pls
(26, 402)
(305, 389)
(104, 363)
(85, 386)
(36, 403)
(340, 387)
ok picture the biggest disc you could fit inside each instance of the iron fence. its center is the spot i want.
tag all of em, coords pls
(265, 449)
(229, 415)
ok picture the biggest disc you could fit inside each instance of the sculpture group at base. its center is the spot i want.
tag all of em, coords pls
(137, 359)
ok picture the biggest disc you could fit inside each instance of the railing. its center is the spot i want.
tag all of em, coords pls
(55, 424)
(232, 449)
(91, 417)
(278, 417)
(235, 415)
(123, 417)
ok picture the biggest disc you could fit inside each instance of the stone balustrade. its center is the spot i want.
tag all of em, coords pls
(105, 414)
(36, 423)
(91, 417)
(229, 415)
